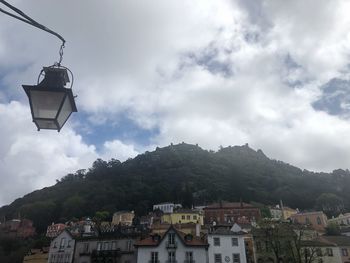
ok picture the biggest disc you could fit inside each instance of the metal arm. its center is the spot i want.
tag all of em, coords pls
(24, 18)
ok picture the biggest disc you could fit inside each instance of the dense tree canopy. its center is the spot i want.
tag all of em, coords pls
(180, 173)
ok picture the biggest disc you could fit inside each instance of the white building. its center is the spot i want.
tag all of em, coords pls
(62, 248)
(342, 220)
(276, 212)
(227, 245)
(166, 207)
(171, 247)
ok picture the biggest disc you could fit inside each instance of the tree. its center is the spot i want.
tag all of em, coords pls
(331, 204)
(282, 242)
(333, 229)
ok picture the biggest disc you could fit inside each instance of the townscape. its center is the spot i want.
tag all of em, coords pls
(235, 232)
(147, 157)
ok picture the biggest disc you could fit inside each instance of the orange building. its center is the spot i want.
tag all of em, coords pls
(317, 220)
(229, 213)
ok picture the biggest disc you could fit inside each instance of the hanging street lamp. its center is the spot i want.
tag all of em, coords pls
(51, 102)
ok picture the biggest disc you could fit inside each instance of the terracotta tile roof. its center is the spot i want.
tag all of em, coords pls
(328, 241)
(338, 240)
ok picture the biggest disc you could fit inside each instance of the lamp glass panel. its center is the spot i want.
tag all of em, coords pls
(65, 112)
(45, 104)
(46, 124)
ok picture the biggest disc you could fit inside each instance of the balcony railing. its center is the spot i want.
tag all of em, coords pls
(171, 244)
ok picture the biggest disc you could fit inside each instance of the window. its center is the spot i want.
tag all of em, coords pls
(85, 247)
(194, 217)
(318, 220)
(106, 246)
(128, 245)
(63, 242)
(234, 241)
(171, 238)
(114, 245)
(329, 252)
(319, 252)
(183, 217)
(55, 244)
(217, 258)
(69, 243)
(236, 258)
(154, 257)
(171, 257)
(344, 252)
(188, 217)
(99, 246)
(189, 256)
(216, 241)
(307, 221)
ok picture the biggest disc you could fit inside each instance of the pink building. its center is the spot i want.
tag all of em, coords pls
(317, 220)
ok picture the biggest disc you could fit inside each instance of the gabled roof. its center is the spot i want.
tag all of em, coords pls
(151, 241)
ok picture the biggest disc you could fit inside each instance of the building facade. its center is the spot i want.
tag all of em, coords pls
(276, 212)
(342, 246)
(171, 247)
(227, 245)
(62, 248)
(18, 228)
(316, 220)
(106, 248)
(166, 207)
(341, 220)
(124, 218)
(183, 216)
(230, 213)
(287, 212)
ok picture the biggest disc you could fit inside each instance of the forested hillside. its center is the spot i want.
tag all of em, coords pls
(181, 173)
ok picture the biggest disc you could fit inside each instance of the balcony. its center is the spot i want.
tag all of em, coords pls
(171, 244)
(189, 261)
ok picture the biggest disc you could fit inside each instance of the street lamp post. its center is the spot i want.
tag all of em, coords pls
(51, 102)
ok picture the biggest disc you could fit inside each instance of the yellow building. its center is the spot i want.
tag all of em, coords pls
(124, 218)
(183, 217)
(288, 212)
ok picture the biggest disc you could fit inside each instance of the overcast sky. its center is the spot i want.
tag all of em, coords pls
(274, 74)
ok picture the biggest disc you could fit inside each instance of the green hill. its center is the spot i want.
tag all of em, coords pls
(180, 173)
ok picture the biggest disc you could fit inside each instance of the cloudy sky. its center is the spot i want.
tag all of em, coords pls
(274, 74)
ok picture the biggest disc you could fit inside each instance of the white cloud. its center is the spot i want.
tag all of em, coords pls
(162, 64)
(118, 150)
(29, 159)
